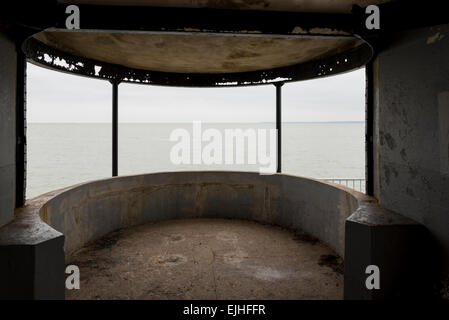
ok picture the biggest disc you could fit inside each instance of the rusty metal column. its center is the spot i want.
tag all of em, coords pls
(115, 84)
(279, 124)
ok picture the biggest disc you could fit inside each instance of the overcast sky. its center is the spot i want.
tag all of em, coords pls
(60, 97)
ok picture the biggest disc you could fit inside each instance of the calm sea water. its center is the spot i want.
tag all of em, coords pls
(61, 155)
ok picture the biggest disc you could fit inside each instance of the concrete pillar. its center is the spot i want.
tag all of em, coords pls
(411, 143)
(31, 252)
(7, 128)
(396, 245)
(32, 262)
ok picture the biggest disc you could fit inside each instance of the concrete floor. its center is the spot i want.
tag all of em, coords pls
(207, 259)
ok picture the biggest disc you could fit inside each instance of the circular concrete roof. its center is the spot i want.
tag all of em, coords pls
(202, 53)
(190, 42)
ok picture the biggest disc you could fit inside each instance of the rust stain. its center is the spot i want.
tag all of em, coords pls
(239, 54)
(44, 214)
(267, 201)
(232, 4)
(332, 261)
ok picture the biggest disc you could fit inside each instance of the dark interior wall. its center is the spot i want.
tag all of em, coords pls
(411, 141)
(7, 128)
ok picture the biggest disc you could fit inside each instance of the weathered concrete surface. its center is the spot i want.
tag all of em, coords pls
(87, 212)
(207, 259)
(7, 128)
(181, 53)
(412, 132)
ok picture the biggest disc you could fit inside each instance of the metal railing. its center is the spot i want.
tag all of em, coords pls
(356, 184)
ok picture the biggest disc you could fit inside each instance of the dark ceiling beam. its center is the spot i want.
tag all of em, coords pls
(44, 14)
(395, 16)
(133, 18)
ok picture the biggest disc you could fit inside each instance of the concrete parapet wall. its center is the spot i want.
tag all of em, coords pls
(88, 211)
(349, 222)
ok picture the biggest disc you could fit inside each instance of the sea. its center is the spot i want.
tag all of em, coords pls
(64, 154)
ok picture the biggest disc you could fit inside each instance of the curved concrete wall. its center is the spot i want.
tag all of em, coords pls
(88, 211)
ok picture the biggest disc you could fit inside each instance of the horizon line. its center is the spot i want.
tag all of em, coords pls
(188, 122)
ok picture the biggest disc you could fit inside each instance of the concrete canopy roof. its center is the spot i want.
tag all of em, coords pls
(203, 53)
(199, 42)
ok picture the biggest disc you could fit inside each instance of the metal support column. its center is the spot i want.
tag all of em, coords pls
(369, 130)
(279, 124)
(115, 84)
